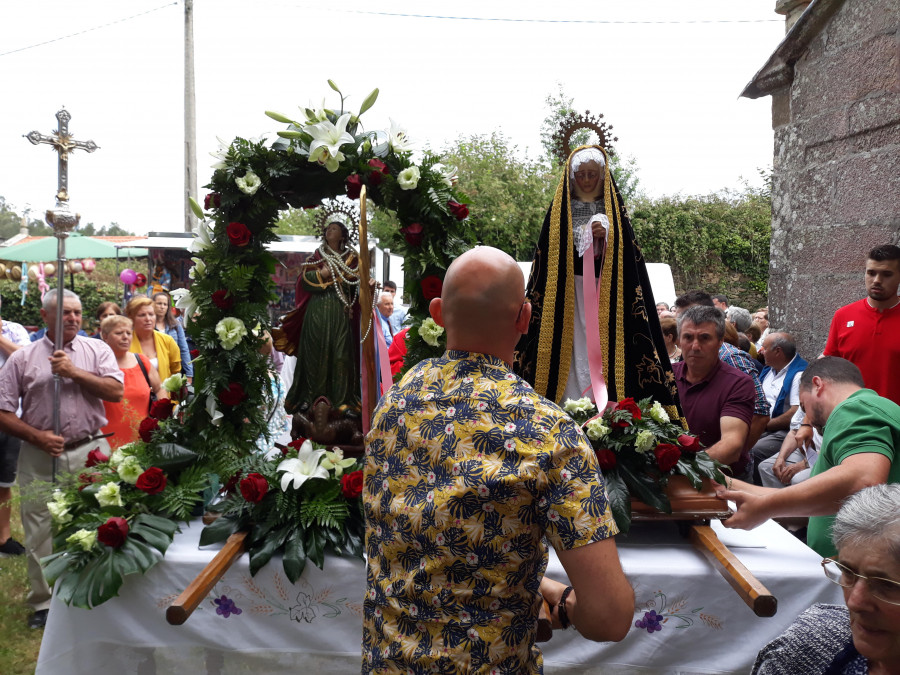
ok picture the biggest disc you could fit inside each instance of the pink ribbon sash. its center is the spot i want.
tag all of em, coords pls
(592, 321)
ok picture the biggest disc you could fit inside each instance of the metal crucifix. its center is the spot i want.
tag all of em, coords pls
(63, 221)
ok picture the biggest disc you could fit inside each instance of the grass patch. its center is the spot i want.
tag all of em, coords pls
(20, 644)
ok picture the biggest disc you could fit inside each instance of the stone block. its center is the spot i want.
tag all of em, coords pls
(844, 76)
(858, 19)
(781, 108)
(823, 127)
(812, 196)
(867, 187)
(874, 112)
(883, 138)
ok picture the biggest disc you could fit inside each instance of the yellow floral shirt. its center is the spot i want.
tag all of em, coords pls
(468, 473)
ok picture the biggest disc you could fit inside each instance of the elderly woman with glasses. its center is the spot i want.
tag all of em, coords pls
(864, 636)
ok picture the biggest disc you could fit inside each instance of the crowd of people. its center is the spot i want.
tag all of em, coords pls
(108, 381)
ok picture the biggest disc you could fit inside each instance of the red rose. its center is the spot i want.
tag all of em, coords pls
(413, 234)
(432, 287)
(162, 409)
(222, 300)
(354, 185)
(632, 407)
(152, 481)
(195, 353)
(148, 426)
(238, 234)
(379, 172)
(212, 200)
(231, 484)
(379, 166)
(606, 458)
(87, 478)
(460, 211)
(352, 484)
(667, 455)
(254, 487)
(95, 457)
(113, 532)
(232, 395)
(689, 443)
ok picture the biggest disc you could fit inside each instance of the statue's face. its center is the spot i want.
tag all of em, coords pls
(587, 179)
(333, 236)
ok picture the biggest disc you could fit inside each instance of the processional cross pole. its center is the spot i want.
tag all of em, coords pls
(63, 221)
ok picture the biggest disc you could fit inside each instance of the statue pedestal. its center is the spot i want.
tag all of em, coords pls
(687, 503)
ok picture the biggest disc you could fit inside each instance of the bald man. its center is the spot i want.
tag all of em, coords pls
(467, 471)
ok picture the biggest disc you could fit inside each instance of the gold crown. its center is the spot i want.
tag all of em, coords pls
(341, 210)
(574, 122)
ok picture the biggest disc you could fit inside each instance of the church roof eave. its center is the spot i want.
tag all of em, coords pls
(778, 71)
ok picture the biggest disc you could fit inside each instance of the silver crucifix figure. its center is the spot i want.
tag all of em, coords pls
(63, 221)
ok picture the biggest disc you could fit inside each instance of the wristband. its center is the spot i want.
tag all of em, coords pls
(806, 425)
(563, 613)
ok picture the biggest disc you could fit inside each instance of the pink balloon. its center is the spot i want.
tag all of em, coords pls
(128, 276)
(88, 265)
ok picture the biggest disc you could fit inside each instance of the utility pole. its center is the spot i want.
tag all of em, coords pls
(190, 119)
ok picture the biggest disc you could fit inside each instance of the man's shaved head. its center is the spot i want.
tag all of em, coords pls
(482, 301)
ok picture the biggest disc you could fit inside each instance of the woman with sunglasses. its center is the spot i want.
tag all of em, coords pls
(864, 635)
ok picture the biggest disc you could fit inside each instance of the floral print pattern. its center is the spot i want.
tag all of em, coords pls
(469, 474)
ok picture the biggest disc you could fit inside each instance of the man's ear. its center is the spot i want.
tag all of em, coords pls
(524, 318)
(437, 311)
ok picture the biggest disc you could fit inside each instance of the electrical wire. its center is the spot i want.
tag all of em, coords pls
(88, 30)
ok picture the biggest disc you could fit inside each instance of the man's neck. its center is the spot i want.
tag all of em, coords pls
(506, 357)
(694, 376)
(882, 305)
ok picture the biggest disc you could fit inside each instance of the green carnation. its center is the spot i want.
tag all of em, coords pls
(430, 332)
(231, 331)
(658, 413)
(129, 470)
(59, 512)
(645, 441)
(175, 382)
(109, 495)
(84, 538)
(596, 429)
(580, 406)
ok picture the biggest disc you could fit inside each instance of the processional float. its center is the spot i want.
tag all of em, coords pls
(63, 221)
(691, 510)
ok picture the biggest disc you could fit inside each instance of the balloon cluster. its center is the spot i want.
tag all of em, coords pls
(41, 271)
(131, 278)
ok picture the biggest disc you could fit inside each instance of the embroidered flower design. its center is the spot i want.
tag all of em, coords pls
(303, 610)
(225, 607)
(651, 621)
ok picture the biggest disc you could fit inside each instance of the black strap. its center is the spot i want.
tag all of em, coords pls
(144, 371)
(561, 608)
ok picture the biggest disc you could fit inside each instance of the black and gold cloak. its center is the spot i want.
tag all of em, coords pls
(635, 360)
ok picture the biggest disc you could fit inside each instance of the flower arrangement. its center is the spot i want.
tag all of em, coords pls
(300, 505)
(638, 449)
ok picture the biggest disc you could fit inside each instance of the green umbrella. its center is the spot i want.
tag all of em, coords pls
(78, 246)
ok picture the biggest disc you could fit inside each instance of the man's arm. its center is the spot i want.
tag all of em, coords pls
(820, 495)
(601, 605)
(734, 434)
(105, 388)
(783, 421)
(757, 427)
(45, 440)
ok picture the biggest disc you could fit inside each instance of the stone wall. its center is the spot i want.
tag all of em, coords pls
(836, 191)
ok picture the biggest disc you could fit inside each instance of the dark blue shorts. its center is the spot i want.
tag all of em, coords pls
(9, 457)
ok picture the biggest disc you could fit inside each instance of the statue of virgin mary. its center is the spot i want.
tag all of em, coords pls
(588, 218)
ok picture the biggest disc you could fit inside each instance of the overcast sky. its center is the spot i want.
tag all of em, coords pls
(668, 84)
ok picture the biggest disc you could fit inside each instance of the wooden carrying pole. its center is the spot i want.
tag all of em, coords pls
(365, 316)
(193, 595)
(757, 596)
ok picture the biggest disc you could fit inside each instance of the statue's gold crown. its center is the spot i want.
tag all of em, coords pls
(574, 122)
(340, 210)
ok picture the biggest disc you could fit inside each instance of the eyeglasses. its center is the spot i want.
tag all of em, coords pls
(885, 590)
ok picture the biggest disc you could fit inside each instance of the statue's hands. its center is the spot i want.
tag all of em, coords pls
(325, 272)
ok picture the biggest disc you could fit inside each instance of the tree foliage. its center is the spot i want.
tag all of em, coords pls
(510, 192)
(717, 242)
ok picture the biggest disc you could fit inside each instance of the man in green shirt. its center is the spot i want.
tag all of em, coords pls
(860, 447)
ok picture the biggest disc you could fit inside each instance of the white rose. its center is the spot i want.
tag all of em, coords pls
(408, 179)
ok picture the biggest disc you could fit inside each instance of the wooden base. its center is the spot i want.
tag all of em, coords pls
(687, 503)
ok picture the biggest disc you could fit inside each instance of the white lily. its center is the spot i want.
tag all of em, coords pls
(202, 238)
(335, 460)
(213, 411)
(448, 173)
(300, 469)
(221, 154)
(327, 141)
(399, 139)
(313, 114)
(185, 301)
(198, 269)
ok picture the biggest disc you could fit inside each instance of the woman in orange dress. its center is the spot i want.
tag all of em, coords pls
(124, 418)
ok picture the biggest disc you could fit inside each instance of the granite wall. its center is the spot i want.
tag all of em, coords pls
(836, 191)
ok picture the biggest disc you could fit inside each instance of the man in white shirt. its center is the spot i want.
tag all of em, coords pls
(781, 386)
